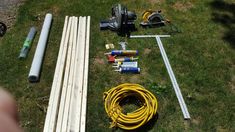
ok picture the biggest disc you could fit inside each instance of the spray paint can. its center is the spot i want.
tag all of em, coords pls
(128, 70)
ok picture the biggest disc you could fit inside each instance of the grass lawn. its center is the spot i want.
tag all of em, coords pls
(202, 57)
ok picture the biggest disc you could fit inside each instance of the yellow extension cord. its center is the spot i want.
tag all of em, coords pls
(139, 117)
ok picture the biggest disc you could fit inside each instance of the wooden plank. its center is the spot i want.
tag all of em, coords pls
(60, 83)
(71, 114)
(57, 78)
(85, 83)
(75, 82)
(81, 75)
(66, 79)
(75, 86)
(71, 77)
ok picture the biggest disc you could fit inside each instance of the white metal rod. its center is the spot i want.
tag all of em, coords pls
(170, 72)
(173, 80)
(148, 36)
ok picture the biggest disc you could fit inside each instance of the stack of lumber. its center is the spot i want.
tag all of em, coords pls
(68, 99)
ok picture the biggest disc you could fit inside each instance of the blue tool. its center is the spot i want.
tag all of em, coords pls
(128, 70)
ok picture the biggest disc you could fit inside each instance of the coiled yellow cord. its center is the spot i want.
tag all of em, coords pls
(133, 120)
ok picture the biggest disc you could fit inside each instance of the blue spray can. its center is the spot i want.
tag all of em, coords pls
(128, 70)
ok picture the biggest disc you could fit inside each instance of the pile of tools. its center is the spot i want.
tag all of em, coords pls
(122, 21)
(68, 99)
(124, 61)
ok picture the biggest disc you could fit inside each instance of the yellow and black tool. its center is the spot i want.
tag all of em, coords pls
(153, 18)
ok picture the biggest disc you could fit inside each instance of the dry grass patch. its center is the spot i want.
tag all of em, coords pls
(156, 1)
(135, 78)
(99, 61)
(183, 6)
(147, 51)
(55, 10)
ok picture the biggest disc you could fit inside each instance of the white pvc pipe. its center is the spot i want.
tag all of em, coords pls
(38, 56)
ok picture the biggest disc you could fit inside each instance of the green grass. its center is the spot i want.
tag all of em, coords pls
(201, 57)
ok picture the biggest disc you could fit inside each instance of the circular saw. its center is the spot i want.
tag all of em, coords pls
(153, 19)
(122, 20)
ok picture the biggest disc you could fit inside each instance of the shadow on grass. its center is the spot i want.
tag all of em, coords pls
(224, 13)
(145, 128)
(148, 126)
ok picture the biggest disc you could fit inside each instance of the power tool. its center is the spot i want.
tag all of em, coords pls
(153, 18)
(122, 21)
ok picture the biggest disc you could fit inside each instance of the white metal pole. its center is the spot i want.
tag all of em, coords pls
(148, 36)
(173, 80)
(170, 72)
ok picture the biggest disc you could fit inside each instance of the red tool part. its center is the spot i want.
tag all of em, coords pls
(111, 59)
